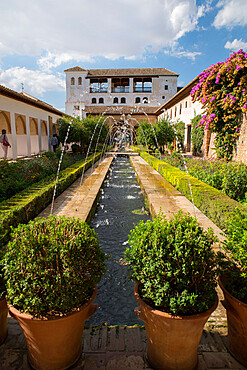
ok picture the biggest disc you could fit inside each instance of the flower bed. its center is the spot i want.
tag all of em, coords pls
(230, 177)
(19, 175)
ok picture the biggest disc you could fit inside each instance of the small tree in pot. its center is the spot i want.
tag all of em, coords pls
(51, 270)
(175, 268)
(233, 282)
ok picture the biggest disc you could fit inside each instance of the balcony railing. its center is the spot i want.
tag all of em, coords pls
(142, 89)
(120, 89)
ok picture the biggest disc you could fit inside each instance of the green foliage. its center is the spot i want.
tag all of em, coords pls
(30, 202)
(81, 131)
(197, 135)
(146, 135)
(180, 132)
(234, 262)
(164, 132)
(174, 264)
(212, 202)
(52, 265)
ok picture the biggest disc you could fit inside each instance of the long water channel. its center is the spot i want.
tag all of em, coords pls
(121, 205)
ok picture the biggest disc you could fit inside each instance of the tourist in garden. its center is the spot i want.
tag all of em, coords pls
(4, 143)
(54, 142)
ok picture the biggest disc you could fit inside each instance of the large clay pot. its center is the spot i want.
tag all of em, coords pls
(54, 343)
(172, 341)
(237, 324)
(3, 320)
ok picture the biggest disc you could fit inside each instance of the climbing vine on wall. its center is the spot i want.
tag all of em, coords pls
(222, 90)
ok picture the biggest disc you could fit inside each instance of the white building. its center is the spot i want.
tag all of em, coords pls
(29, 123)
(98, 88)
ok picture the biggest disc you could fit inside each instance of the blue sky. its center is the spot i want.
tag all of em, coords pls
(41, 38)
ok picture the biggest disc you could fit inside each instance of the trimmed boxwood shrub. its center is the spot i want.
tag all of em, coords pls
(30, 202)
(212, 202)
(174, 264)
(52, 265)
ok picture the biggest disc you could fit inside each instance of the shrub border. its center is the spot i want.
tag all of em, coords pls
(27, 204)
(212, 202)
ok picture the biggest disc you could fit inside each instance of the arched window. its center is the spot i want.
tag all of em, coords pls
(72, 80)
(138, 100)
(115, 100)
(145, 100)
(94, 101)
(101, 100)
(123, 100)
(79, 80)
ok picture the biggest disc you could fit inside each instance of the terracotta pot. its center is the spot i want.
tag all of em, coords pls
(172, 341)
(237, 324)
(3, 320)
(54, 343)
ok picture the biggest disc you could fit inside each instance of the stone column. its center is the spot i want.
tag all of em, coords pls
(14, 136)
(39, 133)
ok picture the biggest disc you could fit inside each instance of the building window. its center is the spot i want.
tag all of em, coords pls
(115, 100)
(76, 107)
(142, 85)
(98, 85)
(186, 104)
(72, 80)
(171, 113)
(79, 80)
(120, 85)
(123, 100)
(166, 87)
(94, 101)
(180, 109)
(163, 97)
(138, 100)
(145, 100)
(175, 112)
(101, 100)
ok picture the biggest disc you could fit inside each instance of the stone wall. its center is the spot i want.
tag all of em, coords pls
(240, 154)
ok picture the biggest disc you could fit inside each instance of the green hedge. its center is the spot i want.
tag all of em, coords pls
(212, 202)
(27, 204)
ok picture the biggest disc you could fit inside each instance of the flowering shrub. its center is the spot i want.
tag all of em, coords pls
(222, 90)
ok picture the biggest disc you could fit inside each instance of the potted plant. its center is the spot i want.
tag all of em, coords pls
(233, 282)
(175, 269)
(51, 269)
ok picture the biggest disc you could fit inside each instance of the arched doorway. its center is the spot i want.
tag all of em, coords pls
(34, 136)
(21, 135)
(5, 125)
(44, 136)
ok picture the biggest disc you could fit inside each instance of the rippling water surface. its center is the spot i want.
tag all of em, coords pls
(114, 218)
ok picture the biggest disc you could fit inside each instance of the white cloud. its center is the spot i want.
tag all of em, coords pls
(236, 44)
(232, 13)
(178, 51)
(35, 82)
(82, 29)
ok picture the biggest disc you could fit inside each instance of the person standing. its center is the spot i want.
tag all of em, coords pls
(54, 142)
(4, 143)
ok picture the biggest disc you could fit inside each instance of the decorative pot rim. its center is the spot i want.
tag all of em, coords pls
(222, 279)
(168, 315)
(15, 312)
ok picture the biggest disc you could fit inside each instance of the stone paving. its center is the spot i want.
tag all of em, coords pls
(122, 348)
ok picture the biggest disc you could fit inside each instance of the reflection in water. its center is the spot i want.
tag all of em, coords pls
(114, 218)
